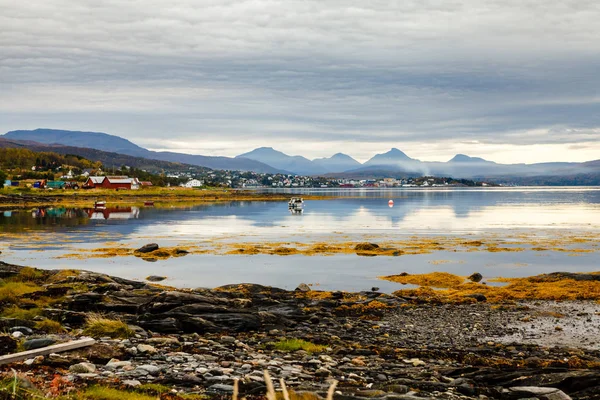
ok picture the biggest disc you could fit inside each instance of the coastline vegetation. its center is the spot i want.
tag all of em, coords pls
(442, 287)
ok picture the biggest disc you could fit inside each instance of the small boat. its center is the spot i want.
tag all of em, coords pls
(100, 204)
(296, 203)
(149, 203)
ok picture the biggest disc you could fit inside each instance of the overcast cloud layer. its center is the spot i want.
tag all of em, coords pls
(512, 81)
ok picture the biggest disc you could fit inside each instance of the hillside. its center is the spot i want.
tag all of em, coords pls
(107, 159)
(118, 145)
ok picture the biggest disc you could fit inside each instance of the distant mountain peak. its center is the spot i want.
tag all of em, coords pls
(463, 158)
(393, 156)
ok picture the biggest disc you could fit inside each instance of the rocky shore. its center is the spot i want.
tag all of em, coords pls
(375, 345)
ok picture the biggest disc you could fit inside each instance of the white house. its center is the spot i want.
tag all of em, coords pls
(194, 183)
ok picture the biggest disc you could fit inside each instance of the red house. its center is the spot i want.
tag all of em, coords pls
(112, 182)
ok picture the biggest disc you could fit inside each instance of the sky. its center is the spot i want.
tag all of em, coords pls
(507, 80)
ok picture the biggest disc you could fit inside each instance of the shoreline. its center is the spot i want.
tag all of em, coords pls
(402, 346)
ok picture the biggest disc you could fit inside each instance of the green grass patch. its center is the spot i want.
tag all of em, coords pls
(10, 292)
(49, 326)
(108, 393)
(298, 344)
(97, 326)
(21, 313)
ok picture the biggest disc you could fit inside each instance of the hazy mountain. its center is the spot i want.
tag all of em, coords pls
(96, 140)
(116, 144)
(461, 158)
(338, 162)
(277, 159)
(392, 157)
(393, 163)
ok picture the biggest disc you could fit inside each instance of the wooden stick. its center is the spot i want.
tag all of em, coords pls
(56, 348)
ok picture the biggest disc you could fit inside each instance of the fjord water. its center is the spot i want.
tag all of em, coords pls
(39, 237)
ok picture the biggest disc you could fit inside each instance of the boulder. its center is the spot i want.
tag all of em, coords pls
(476, 277)
(542, 393)
(147, 248)
(303, 287)
(155, 278)
(366, 247)
(38, 343)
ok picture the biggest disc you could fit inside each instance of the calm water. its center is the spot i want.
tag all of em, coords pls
(37, 237)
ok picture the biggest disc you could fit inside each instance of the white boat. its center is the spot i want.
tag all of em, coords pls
(296, 203)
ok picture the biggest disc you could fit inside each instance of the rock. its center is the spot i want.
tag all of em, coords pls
(151, 369)
(303, 287)
(366, 247)
(131, 382)
(146, 349)
(227, 339)
(400, 389)
(476, 277)
(374, 289)
(220, 388)
(115, 364)
(542, 393)
(38, 343)
(155, 278)
(83, 368)
(147, 248)
(16, 335)
(23, 329)
(477, 296)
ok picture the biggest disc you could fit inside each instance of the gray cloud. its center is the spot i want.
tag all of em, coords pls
(253, 72)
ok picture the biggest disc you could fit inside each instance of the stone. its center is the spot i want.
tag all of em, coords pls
(83, 368)
(155, 278)
(477, 296)
(116, 364)
(146, 349)
(151, 369)
(303, 287)
(131, 382)
(37, 343)
(220, 388)
(366, 246)
(23, 329)
(542, 393)
(16, 335)
(476, 277)
(147, 248)
(400, 389)
(227, 339)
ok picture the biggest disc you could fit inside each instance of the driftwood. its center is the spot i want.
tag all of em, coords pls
(55, 348)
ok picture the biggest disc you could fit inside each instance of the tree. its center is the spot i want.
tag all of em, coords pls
(2, 178)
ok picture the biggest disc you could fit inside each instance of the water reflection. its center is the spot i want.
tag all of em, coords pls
(414, 212)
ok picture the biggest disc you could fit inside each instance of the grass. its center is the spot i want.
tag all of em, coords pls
(98, 326)
(10, 292)
(108, 393)
(49, 326)
(17, 312)
(298, 344)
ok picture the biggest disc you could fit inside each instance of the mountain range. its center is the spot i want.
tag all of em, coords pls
(268, 160)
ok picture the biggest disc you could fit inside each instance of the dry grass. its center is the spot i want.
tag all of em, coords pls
(98, 326)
